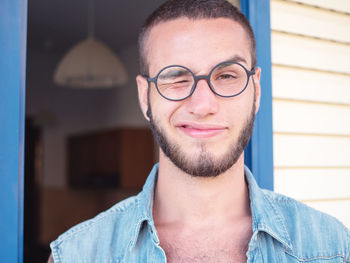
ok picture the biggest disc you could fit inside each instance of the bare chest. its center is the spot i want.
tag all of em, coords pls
(196, 253)
(206, 248)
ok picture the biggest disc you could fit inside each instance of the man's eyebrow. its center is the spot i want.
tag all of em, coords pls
(238, 58)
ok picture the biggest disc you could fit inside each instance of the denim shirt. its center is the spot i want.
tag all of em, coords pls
(284, 230)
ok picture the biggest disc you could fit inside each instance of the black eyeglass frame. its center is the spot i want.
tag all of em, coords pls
(199, 77)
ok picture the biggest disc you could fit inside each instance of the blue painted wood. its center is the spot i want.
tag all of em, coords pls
(259, 153)
(13, 30)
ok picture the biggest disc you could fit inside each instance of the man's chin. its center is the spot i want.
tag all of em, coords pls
(201, 165)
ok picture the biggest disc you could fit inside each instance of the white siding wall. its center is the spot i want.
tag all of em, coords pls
(311, 102)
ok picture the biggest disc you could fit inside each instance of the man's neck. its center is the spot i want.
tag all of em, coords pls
(188, 201)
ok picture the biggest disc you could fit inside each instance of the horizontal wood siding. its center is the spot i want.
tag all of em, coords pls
(307, 21)
(310, 118)
(311, 102)
(304, 52)
(327, 183)
(291, 150)
(310, 85)
(341, 6)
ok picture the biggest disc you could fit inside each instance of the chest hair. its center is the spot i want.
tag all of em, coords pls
(205, 248)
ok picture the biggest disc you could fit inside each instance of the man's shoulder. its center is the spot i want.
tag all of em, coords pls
(308, 227)
(113, 226)
(293, 210)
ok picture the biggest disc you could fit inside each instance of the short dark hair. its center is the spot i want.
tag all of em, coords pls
(192, 9)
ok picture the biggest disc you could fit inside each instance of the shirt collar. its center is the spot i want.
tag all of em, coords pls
(145, 205)
(266, 216)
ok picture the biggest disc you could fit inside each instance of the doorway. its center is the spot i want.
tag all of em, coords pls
(61, 187)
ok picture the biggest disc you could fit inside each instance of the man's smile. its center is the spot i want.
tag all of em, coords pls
(199, 130)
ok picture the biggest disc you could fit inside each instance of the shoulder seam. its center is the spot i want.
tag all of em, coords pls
(278, 197)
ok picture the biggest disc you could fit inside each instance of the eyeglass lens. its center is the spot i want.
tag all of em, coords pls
(226, 79)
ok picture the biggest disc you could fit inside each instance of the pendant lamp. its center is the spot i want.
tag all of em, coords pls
(90, 63)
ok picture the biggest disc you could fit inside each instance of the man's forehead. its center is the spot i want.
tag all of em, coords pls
(182, 39)
(184, 23)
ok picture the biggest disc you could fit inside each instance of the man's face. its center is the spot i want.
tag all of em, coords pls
(205, 134)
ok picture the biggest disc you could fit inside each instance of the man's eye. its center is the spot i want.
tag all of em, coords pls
(227, 76)
(178, 82)
(181, 81)
(175, 84)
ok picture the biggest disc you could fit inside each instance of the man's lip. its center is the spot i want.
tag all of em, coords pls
(200, 130)
(201, 126)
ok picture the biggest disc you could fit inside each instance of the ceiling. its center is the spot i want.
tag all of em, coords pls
(54, 26)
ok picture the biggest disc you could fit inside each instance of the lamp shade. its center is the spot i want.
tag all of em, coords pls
(90, 64)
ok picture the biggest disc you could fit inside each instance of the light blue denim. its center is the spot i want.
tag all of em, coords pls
(284, 230)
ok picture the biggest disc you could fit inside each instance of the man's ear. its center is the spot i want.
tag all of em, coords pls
(142, 87)
(256, 79)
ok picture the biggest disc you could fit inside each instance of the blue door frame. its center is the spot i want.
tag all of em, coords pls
(13, 34)
(259, 152)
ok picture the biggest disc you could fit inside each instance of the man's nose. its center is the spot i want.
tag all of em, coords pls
(203, 101)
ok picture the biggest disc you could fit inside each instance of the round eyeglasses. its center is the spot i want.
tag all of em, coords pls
(226, 79)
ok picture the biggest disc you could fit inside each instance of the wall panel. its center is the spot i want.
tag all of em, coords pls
(314, 183)
(311, 102)
(310, 85)
(311, 151)
(336, 5)
(305, 20)
(311, 118)
(311, 53)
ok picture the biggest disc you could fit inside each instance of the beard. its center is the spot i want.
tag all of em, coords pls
(205, 165)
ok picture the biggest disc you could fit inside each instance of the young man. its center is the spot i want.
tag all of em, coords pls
(199, 88)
